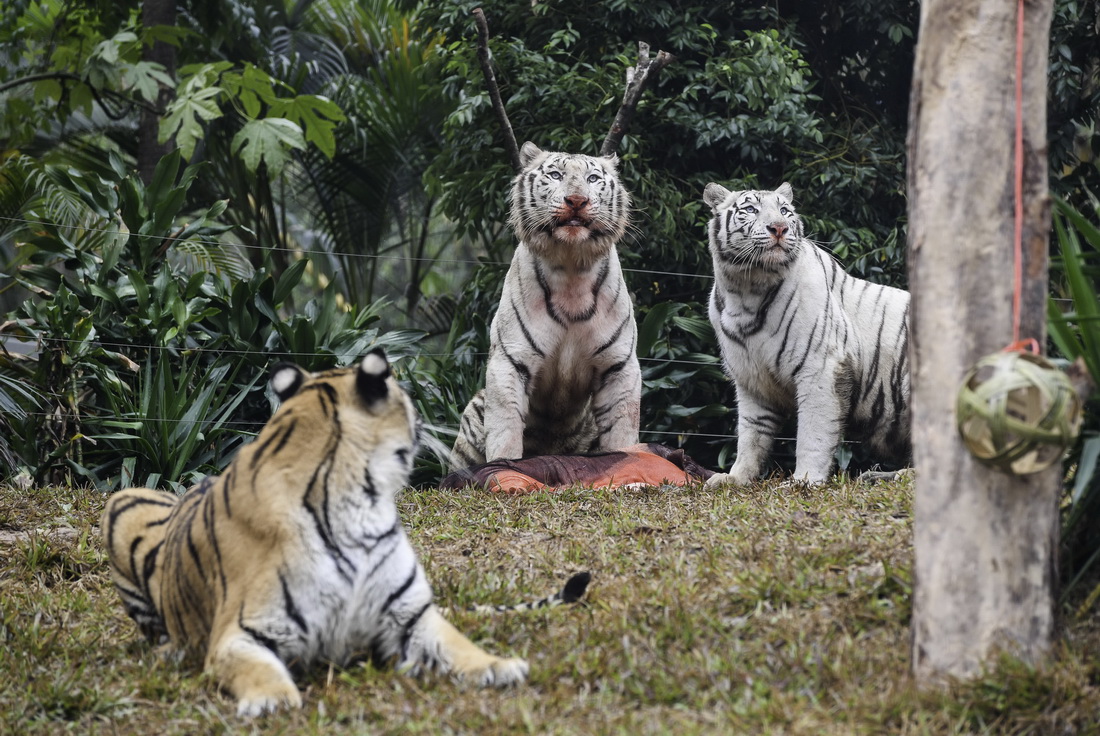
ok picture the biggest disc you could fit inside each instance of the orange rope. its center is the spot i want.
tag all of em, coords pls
(1018, 239)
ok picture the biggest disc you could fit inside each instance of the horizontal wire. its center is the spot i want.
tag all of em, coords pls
(341, 254)
(447, 429)
(286, 354)
(306, 251)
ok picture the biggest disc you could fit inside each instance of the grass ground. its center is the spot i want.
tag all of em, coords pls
(759, 611)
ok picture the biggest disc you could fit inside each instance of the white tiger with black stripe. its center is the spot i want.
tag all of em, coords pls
(562, 376)
(799, 335)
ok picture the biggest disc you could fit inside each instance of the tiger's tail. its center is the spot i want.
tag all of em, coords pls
(572, 592)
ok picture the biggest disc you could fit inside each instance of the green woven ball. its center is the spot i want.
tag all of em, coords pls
(1017, 412)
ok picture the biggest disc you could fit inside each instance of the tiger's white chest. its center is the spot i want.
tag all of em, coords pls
(572, 312)
(333, 586)
(766, 330)
(572, 298)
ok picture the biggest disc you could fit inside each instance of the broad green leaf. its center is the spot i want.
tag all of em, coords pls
(1090, 232)
(107, 51)
(267, 141)
(1086, 304)
(1086, 467)
(185, 116)
(196, 101)
(316, 115)
(164, 176)
(146, 78)
(173, 35)
(253, 87)
(1063, 335)
(650, 329)
(80, 98)
(47, 89)
(289, 279)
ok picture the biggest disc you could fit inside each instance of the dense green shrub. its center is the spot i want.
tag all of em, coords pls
(146, 370)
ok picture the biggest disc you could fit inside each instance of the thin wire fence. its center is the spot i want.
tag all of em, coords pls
(332, 253)
(450, 430)
(344, 254)
(289, 354)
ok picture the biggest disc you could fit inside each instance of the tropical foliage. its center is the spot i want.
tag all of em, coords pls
(146, 367)
(1075, 330)
(341, 152)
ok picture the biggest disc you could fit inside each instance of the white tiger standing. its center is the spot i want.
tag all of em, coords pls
(562, 376)
(797, 333)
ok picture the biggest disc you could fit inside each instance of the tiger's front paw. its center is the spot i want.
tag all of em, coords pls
(253, 674)
(259, 702)
(495, 671)
(732, 478)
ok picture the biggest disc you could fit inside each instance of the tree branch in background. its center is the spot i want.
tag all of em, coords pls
(149, 149)
(636, 79)
(485, 57)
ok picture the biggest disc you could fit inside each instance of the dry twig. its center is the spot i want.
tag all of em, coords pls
(636, 79)
(486, 59)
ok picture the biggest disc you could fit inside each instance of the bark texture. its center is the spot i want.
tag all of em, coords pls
(985, 541)
(149, 151)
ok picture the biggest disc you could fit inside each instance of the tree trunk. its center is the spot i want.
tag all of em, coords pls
(149, 151)
(985, 541)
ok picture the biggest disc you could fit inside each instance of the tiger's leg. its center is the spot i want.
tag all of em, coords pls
(506, 404)
(820, 422)
(756, 428)
(435, 642)
(617, 404)
(469, 446)
(250, 672)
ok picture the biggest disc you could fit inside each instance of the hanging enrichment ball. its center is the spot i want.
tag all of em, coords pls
(1017, 412)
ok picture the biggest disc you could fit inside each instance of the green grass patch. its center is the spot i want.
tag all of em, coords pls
(769, 610)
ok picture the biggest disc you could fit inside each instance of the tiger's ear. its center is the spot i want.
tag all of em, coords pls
(528, 152)
(370, 381)
(286, 379)
(612, 161)
(715, 195)
(786, 192)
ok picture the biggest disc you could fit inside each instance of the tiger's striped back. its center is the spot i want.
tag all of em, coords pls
(134, 527)
(800, 336)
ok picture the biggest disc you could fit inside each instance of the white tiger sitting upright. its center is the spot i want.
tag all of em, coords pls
(562, 376)
(797, 333)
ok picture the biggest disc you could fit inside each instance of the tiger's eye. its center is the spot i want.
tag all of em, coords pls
(555, 175)
(593, 178)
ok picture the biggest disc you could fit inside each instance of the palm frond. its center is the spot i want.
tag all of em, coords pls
(202, 256)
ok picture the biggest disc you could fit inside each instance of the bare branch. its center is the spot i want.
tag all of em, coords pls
(98, 94)
(485, 57)
(636, 79)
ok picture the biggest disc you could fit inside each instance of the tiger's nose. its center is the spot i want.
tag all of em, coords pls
(576, 201)
(777, 229)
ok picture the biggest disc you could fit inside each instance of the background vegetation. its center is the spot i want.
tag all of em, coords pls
(337, 181)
